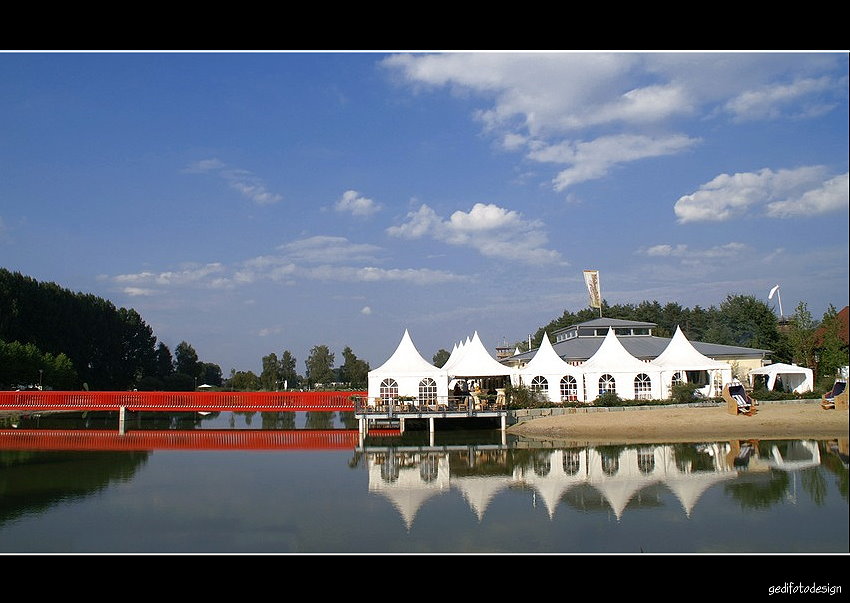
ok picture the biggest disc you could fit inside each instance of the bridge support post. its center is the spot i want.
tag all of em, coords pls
(503, 420)
(122, 415)
(431, 424)
(401, 424)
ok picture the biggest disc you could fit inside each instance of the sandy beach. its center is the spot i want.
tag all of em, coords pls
(772, 421)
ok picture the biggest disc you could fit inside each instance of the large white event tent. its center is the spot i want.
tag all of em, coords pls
(613, 368)
(404, 371)
(546, 371)
(798, 379)
(681, 360)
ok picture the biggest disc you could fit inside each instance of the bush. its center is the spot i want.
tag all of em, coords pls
(684, 393)
(608, 399)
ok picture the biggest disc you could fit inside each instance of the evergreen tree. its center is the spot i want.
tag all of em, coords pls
(320, 365)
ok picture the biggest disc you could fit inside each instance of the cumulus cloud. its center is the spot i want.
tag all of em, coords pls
(329, 249)
(492, 230)
(357, 205)
(783, 193)
(244, 182)
(366, 310)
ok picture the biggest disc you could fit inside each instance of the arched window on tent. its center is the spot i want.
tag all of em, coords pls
(607, 384)
(539, 386)
(388, 391)
(427, 391)
(717, 385)
(643, 387)
(677, 378)
(569, 389)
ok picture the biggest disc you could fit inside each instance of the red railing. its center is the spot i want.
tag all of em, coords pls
(206, 439)
(179, 401)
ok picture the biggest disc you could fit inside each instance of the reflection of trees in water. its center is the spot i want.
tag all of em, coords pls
(278, 420)
(760, 490)
(33, 481)
(814, 483)
(319, 420)
(693, 457)
(348, 420)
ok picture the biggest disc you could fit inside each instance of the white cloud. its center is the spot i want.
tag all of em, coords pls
(138, 291)
(833, 195)
(243, 181)
(189, 275)
(799, 191)
(686, 253)
(492, 230)
(594, 159)
(328, 249)
(353, 202)
(594, 111)
(776, 100)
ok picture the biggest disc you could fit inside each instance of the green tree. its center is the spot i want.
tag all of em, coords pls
(832, 351)
(743, 320)
(353, 370)
(320, 365)
(243, 381)
(211, 374)
(440, 358)
(801, 336)
(270, 376)
(288, 374)
(186, 360)
(164, 361)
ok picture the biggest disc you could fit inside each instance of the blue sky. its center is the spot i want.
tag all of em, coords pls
(251, 203)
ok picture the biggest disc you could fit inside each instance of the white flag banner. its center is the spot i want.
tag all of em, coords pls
(591, 279)
(772, 291)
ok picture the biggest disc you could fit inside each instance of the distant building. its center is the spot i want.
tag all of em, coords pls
(577, 343)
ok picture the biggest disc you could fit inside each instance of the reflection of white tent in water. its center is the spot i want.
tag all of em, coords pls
(689, 484)
(480, 491)
(796, 455)
(620, 477)
(566, 469)
(405, 487)
(789, 377)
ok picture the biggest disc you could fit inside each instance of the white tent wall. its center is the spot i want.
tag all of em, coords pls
(795, 378)
(407, 369)
(681, 357)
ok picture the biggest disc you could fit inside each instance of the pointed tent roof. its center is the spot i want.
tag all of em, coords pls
(612, 357)
(681, 354)
(475, 361)
(547, 362)
(406, 360)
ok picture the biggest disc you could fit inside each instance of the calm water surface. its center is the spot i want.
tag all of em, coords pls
(303, 483)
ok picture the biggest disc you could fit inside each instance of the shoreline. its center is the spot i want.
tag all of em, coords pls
(803, 420)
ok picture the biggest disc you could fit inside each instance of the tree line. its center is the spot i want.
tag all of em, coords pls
(67, 340)
(51, 336)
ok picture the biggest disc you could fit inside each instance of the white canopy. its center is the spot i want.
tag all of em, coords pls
(473, 360)
(798, 379)
(680, 355)
(546, 363)
(613, 359)
(407, 368)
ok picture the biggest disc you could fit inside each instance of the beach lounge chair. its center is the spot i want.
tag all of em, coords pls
(835, 398)
(738, 401)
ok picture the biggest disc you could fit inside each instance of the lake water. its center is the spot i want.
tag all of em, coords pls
(303, 483)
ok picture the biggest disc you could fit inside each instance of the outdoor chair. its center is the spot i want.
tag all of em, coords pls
(836, 399)
(738, 401)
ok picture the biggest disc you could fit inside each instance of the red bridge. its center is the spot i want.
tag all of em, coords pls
(179, 401)
(204, 439)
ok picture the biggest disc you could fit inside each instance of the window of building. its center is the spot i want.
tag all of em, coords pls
(607, 384)
(427, 391)
(388, 390)
(569, 389)
(539, 384)
(643, 387)
(677, 378)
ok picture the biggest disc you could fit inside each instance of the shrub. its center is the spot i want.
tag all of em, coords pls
(684, 393)
(608, 399)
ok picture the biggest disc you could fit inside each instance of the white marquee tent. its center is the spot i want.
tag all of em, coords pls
(613, 368)
(546, 370)
(407, 369)
(798, 379)
(681, 357)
